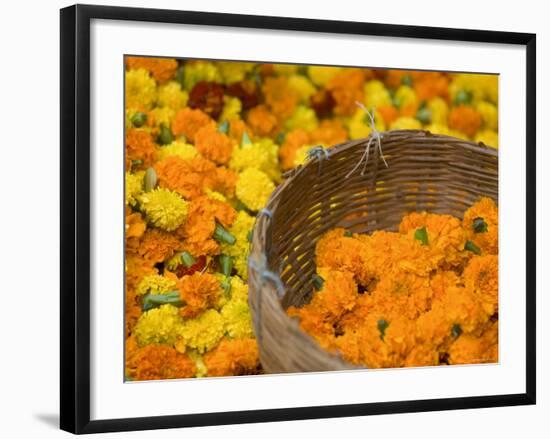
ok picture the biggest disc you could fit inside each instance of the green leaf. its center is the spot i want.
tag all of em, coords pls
(249, 236)
(137, 162)
(245, 140)
(226, 264)
(424, 115)
(421, 235)
(348, 234)
(382, 326)
(150, 179)
(223, 236)
(456, 330)
(139, 119)
(187, 259)
(470, 246)
(224, 127)
(151, 301)
(226, 287)
(318, 281)
(463, 97)
(180, 75)
(407, 80)
(280, 138)
(479, 225)
(165, 136)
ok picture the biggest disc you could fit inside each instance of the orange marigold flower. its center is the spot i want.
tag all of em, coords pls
(388, 112)
(233, 357)
(213, 145)
(468, 349)
(197, 231)
(140, 146)
(481, 275)
(154, 246)
(188, 122)
(157, 362)
(279, 97)
(329, 132)
(262, 121)
(347, 89)
(237, 128)
(428, 85)
(465, 119)
(394, 78)
(136, 268)
(199, 291)
(132, 310)
(162, 69)
(191, 177)
(294, 140)
(135, 226)
(481, 225)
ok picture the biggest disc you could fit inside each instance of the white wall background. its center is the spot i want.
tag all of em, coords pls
(29, 218)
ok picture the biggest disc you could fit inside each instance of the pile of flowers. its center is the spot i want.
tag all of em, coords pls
(423, 296)
(206, 143)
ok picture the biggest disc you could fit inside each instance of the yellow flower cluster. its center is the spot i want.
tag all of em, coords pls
(206, 144)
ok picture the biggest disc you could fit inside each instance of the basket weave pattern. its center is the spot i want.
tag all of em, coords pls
(425, 172)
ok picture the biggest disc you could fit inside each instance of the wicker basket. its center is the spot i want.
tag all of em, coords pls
(428, 172)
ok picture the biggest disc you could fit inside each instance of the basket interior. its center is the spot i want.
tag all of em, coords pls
(437, 174)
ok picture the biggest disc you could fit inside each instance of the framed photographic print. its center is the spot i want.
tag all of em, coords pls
(268, 218)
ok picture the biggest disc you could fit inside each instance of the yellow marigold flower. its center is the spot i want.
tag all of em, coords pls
(164, 209)
(231, 109)
(171, 95)
(320, 75)
(237, 319)
(439, 111)
(376, 95)
(162, 116)
(141, 89)
(302, 86)
(155, 284)
(178, 148)
(232, 71)
(239, 251)
(239, 289)
(285, 69)
(134, 187)
(488, 137)
(302, 117)
(197, 71)
(405, 96)
(359, 124)
(159, 325)
(254, 188)
(301, 154)
(489, 114)
(262, 155)
(405, 123)
(474, 88)
(203, 332)
(438, 128)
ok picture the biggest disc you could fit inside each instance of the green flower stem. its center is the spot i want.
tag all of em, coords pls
(226, 286)
(165, 136)
(223, 236)
(187, 259)
(318, 281)
(470, 246)
(154, 300)
(479, 225)
(382, 326)
(226, 264)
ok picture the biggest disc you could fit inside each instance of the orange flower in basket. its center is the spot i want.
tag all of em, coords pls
(233, 357)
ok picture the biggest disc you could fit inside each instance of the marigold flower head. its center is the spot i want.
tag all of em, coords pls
(134, 187)
(178, 148)
(376, 94)
(487, 137)
(154, 246)
(199, 291)
(360, 124)
(466, 119)
(208, 97)
(233, 357)
(468, 349)
(329, 132)
(172, 96)
(135, 226)
(262, 155)
(202, 333)
(439, 110)
(239, 251)
(321, 75)
(347, 89)
(232, 108)
(302, 117)
(232, 71)
(481, 275)
(162, 69)
(489, 114)
(279, 97)
(155, 284)
(188, 121)
(405, 123)
(163, 208)
(481, 225)
(214, 145)
(428, 85)
(247, 91)
(237, 319)
(159, 325)
(140, 89)
(140, 147)
(302, 86)
(294, 140)
(161, 116)
(262, 121)
(254, 188)
(197, 71)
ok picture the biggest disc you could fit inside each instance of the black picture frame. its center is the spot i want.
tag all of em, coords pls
(75, 217)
